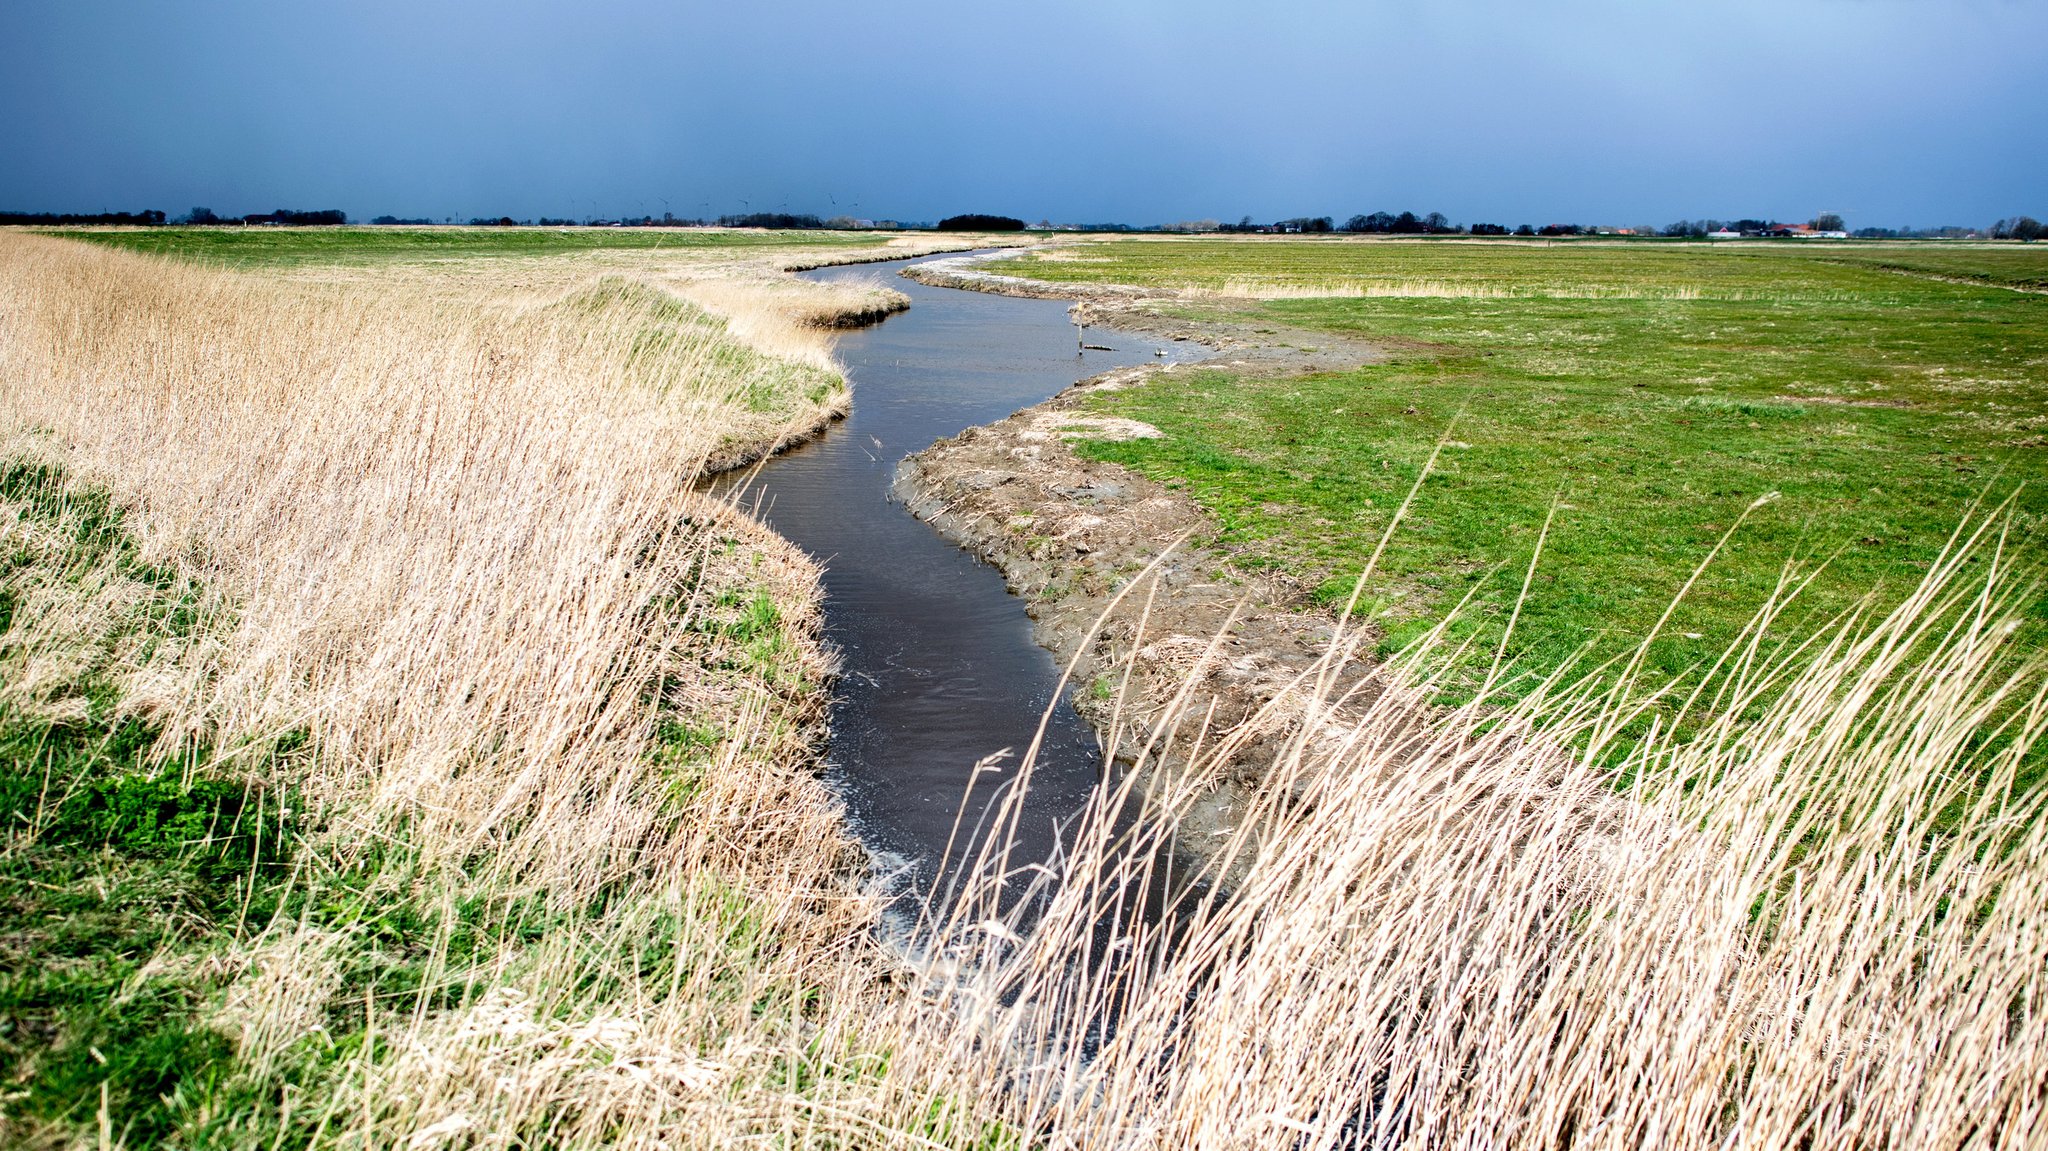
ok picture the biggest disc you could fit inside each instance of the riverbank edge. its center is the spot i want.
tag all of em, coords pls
(1069, 534)
(812, 423)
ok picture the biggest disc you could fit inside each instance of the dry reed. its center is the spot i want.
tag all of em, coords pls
(1818, 921)
(458, 542)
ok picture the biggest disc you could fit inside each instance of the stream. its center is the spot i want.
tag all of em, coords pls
(938, 666)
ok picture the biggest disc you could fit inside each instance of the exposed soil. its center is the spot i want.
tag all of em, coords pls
(1069, 533)
(1244, 344)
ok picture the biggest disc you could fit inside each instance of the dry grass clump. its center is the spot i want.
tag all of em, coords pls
(1816, 923)
(788, 306)
(562, 706)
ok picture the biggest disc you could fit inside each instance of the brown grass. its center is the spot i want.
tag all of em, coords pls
(1817, 923)
(458, 542)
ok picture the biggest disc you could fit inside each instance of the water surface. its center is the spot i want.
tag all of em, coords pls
(939, 670)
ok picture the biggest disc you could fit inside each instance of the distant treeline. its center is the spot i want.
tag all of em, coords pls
(782, 220)
(51, 219)
(1434, 223)
(2024, 228)
(152, 218)
(293, 217)
(1375, 223)
(976, 222)
(772, 220)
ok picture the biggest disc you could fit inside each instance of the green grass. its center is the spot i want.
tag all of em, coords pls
(1655, 391)
(274, 247)
(131, 881)
(2013, 266)
(119, 869)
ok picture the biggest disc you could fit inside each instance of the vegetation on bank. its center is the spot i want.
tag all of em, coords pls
(124, 863)
(397, 743)
(1815, 924)
(1649, 394)
(157, 884)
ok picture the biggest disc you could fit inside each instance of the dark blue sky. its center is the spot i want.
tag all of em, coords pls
(1597, 111)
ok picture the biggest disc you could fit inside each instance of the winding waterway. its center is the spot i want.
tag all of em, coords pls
(938, 667)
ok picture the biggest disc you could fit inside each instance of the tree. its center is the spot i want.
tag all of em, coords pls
(786, 220)
(199, 216)
(1377, 222)
(2023, 228)
(1828, 222)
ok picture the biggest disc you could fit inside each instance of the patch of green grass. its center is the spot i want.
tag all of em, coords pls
(950, 1122)
(274, 247)
(2013, 266)
(665, 325)
(1654, 392)
(119, 868)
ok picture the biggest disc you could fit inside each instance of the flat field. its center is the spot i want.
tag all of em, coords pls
(271, 246)
(1650, 391)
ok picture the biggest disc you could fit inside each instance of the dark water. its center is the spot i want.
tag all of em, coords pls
(939, 669)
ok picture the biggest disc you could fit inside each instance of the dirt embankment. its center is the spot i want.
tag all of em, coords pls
(1069, 532)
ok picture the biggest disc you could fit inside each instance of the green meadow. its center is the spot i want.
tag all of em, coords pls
(1649, 393)
(283, 247)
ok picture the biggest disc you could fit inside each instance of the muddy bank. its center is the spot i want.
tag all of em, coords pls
(1236, 338)
(1068, 533)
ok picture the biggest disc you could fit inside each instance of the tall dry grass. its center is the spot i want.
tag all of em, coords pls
(444, 526)
(1819, 921)
(457, 541)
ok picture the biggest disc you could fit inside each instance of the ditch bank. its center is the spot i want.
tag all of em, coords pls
(1068, 534)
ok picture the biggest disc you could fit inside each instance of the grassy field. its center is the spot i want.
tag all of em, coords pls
(275, 247)
(1653, 391)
